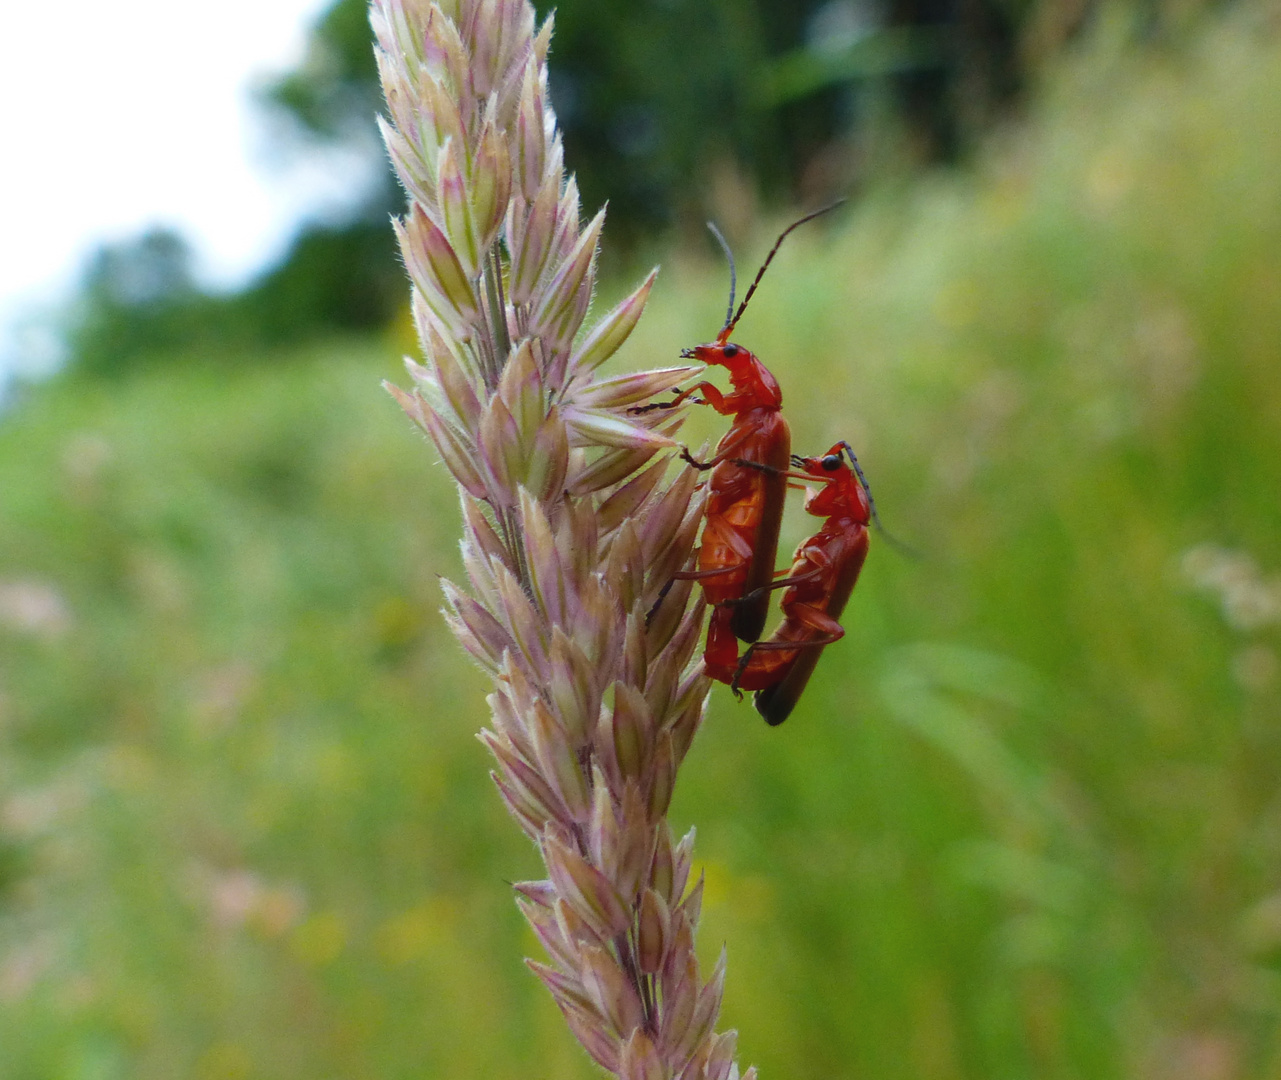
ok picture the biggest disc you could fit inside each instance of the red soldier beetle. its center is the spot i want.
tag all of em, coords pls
(824, 570)
(748, 485)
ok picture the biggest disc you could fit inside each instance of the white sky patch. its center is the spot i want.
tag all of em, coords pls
(124, 115)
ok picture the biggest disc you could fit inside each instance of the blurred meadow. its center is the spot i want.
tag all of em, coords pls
(1026, 821)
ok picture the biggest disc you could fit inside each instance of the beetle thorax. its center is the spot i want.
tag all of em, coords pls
(748, 374)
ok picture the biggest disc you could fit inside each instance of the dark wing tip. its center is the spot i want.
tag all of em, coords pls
(773, 707)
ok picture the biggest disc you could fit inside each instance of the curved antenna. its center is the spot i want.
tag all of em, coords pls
(733, 275)
(890, 538)
(867, 490)
(733, 322)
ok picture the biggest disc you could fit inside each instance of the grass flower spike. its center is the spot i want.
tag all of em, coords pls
(570, 529)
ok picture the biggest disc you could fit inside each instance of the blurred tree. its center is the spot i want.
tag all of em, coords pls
(137, 297)
(139, 303)
(658, 99)
(334, 93)
(661, 102)
(139, 300)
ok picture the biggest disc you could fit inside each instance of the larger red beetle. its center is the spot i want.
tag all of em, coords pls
(748, 485)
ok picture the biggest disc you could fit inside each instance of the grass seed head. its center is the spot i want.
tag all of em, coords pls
(571, 527)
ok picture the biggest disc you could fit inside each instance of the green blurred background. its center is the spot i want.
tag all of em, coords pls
(1025, 823)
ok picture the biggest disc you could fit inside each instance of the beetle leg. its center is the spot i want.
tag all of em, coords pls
(637, 410)
(721, 651)
(813, 618)
(701, 466)
(686, 575)
(743, 661)
(707, 389)
(760, 466)
(733, 439)
(782, 583)
(703, 575)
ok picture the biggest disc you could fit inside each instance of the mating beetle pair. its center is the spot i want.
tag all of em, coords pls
(750, 471)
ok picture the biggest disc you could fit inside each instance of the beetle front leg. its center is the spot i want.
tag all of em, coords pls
(711, 396)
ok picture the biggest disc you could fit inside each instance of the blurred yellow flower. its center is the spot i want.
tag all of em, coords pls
(320, 940)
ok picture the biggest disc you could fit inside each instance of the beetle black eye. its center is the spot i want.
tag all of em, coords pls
(832, 462)
(729, 350)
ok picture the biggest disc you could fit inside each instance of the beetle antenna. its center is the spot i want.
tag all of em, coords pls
(890, 538)
(733, 276)
(867, 488)
(733, 322)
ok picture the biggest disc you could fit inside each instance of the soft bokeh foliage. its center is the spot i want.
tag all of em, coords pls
(671, 111)
(1025, 822)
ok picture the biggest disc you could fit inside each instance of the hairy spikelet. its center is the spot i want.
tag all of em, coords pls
(571, 528)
